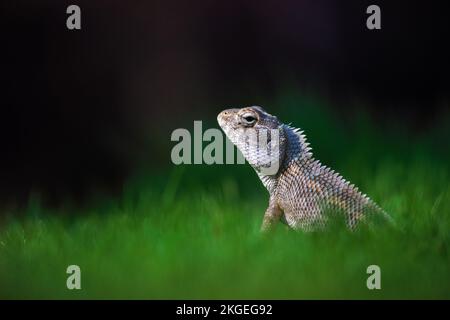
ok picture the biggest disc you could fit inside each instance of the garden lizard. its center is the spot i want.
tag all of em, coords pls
(303, 192)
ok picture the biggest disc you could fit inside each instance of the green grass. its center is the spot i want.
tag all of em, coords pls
(192, 231)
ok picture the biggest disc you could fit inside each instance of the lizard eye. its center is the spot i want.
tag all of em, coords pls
(249, 119)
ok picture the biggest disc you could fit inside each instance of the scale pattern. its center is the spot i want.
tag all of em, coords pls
(305, 191)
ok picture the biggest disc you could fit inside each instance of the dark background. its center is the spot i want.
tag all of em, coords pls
(81, 109)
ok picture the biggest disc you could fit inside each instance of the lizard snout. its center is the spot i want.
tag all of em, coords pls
(224, 116)
(220, 118)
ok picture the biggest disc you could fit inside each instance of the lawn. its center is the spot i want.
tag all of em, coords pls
(192, 232)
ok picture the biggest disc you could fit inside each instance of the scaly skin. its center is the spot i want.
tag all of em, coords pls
(303, 192)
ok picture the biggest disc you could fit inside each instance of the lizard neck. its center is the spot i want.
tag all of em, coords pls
(297, 148)
(296, 152)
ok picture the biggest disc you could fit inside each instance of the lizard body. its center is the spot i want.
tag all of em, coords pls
(302, 190)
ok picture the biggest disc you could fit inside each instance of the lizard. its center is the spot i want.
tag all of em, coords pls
(302, 191)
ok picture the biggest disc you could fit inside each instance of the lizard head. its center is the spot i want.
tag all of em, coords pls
(257, 134)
